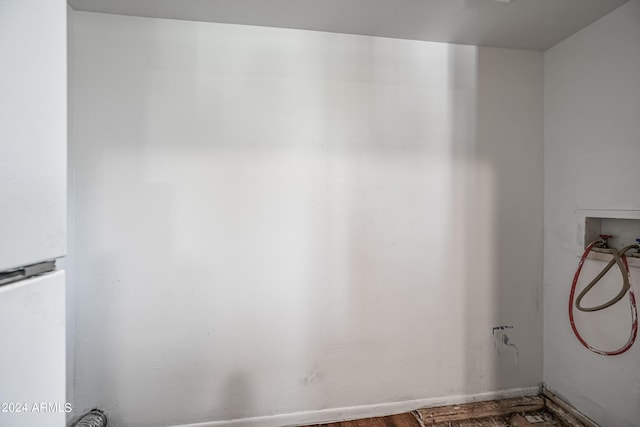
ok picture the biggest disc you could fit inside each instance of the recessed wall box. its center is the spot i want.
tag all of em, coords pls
(623, 225)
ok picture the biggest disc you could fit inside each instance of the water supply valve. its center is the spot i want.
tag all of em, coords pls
(605, 240)
(603, 245)
(636, 254)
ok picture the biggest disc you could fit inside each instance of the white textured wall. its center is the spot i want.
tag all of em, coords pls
(271, 221)
(592, 149)
(32, 365)
(33, 131)
(68, 260)
(33, 189)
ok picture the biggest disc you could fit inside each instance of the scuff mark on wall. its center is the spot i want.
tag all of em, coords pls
(501, 341)
(506, 341)
(315, 376)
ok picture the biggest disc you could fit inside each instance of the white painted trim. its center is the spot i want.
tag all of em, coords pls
(365, 411)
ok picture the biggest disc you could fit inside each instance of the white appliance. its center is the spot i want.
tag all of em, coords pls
(32, 212)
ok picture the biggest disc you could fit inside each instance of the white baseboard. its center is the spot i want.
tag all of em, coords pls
(364, 411)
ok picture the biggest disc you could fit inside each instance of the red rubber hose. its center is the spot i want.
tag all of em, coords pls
(632, 301)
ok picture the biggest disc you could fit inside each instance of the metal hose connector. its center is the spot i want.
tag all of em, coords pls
(95, 418)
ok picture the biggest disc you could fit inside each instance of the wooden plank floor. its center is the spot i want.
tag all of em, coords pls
(400, 420)
(496, 408)
(409, 420)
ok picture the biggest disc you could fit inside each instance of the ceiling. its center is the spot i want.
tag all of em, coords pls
(520, 24)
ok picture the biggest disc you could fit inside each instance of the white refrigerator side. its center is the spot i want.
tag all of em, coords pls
(32, 358)
(33, 114)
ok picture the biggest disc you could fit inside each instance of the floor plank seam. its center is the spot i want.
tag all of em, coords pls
(545, 410)
(418, 418)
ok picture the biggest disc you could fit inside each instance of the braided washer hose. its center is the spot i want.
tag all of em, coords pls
(620, 259)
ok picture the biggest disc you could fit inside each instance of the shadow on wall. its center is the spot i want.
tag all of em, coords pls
(237, 397)
(300, 221)
(503, 238)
